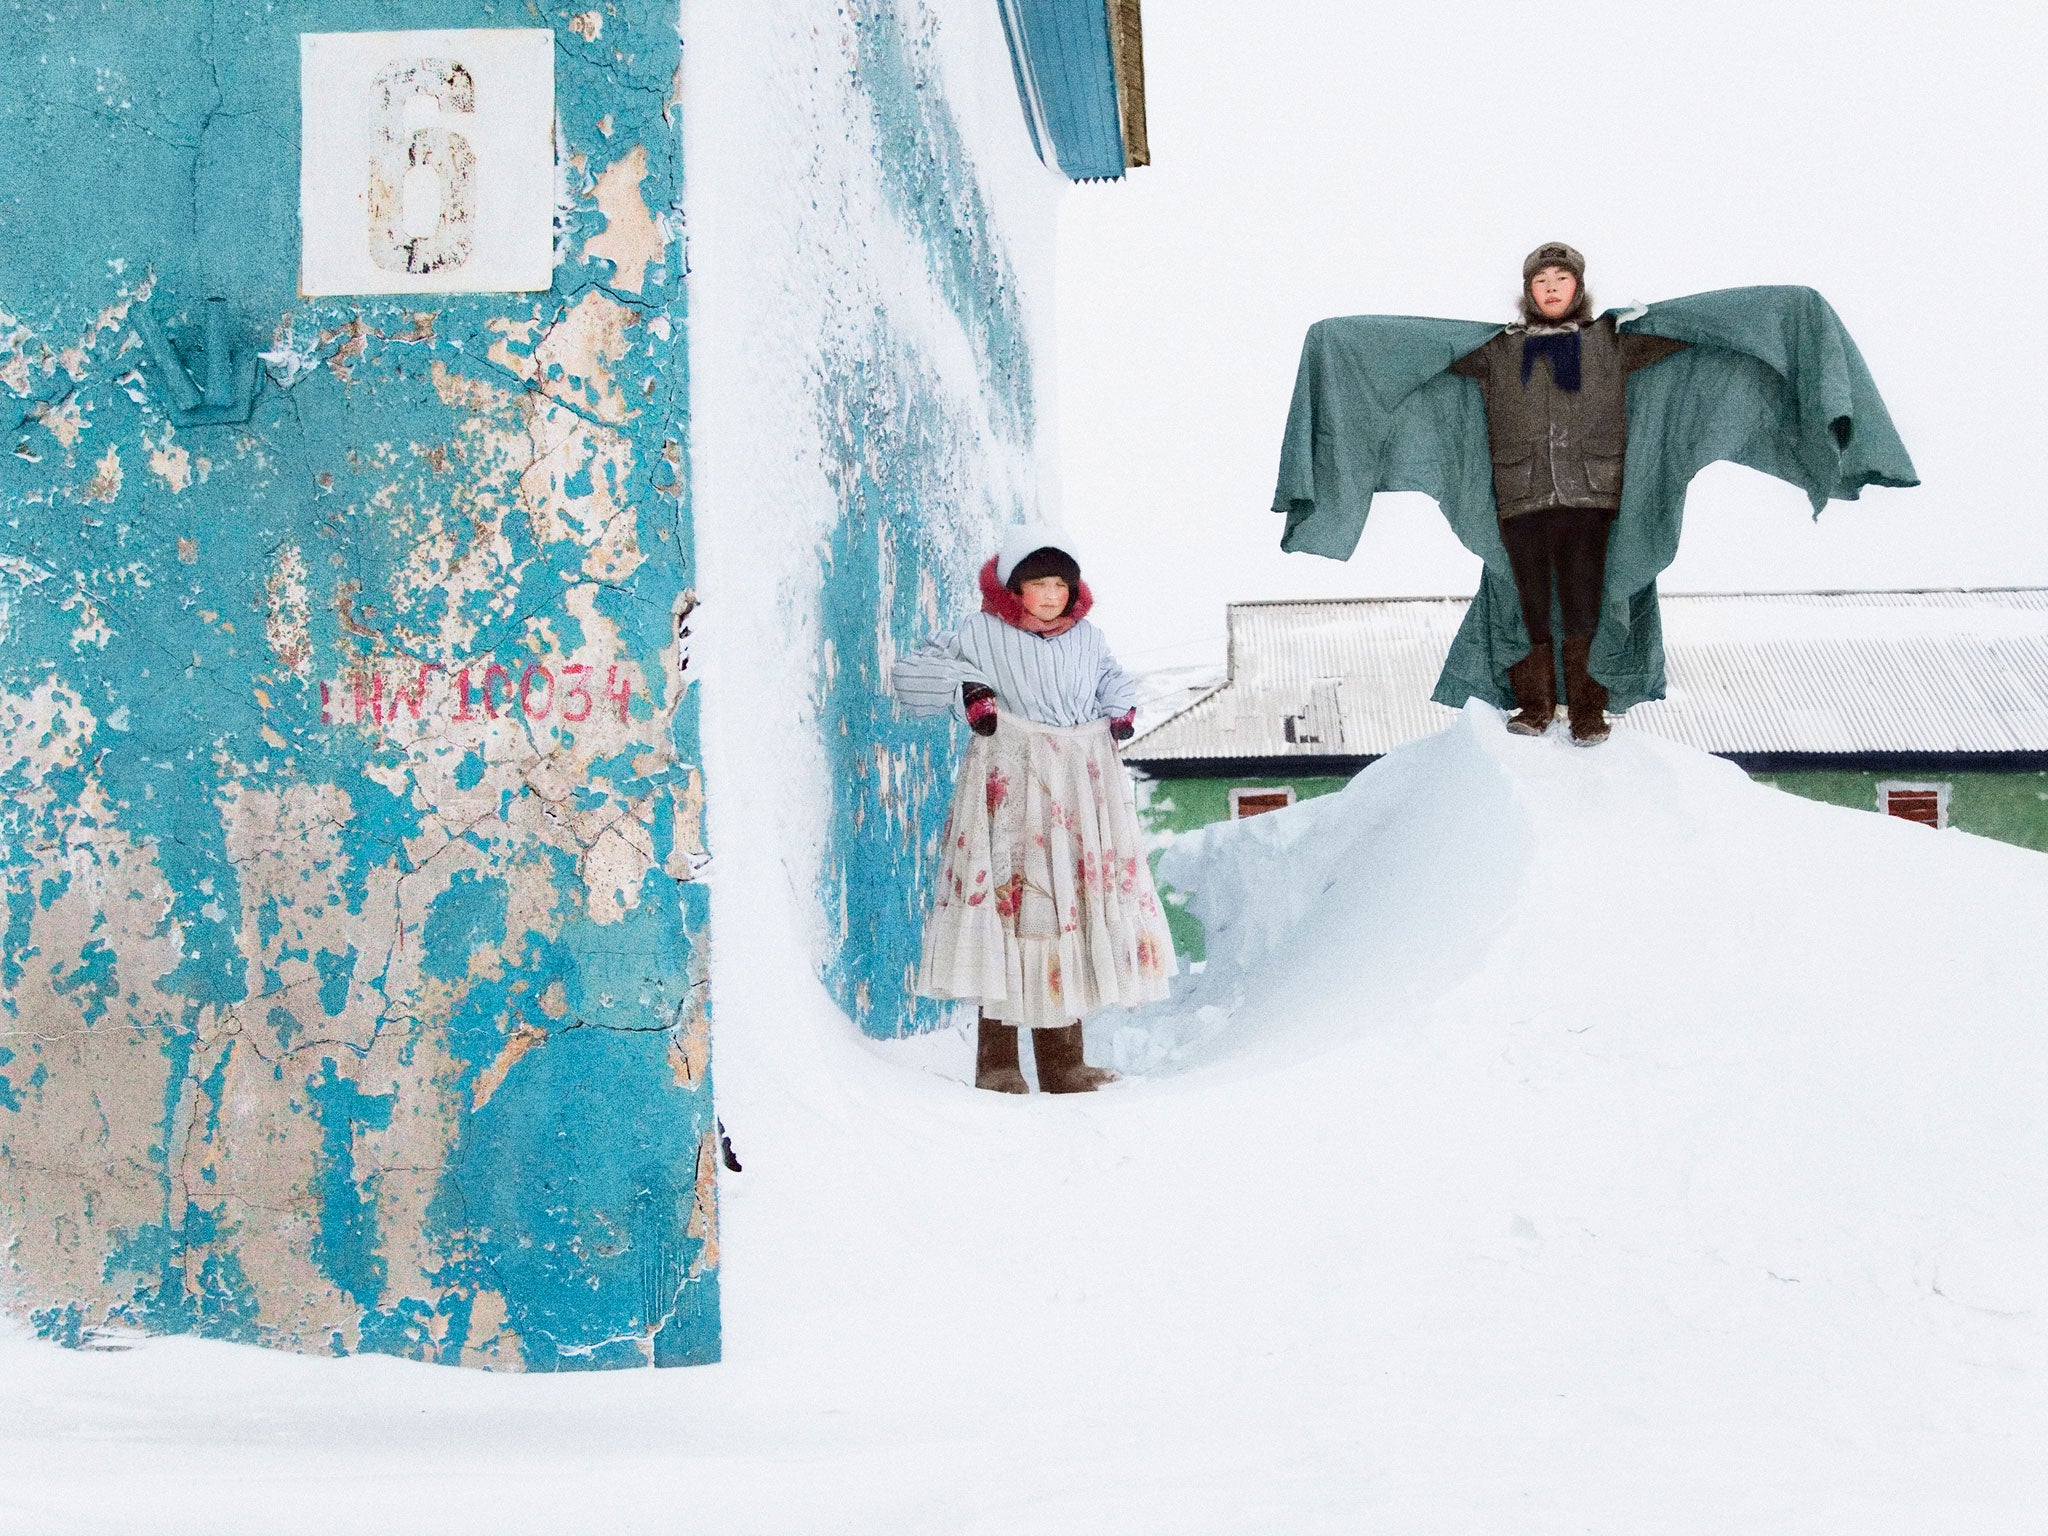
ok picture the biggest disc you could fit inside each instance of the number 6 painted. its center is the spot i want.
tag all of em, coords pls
(408, 168)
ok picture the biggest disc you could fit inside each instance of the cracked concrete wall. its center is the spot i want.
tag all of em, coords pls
(871, 288)
(354, 981)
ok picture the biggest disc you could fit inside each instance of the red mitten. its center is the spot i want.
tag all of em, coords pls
(1123, 725)
(981, 708)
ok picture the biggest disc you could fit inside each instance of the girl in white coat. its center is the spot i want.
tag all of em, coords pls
(1045, 909)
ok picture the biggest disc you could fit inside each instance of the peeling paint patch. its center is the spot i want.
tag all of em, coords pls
(26, 356)
(105, 484)
(631, 240)
(64, 420)
(571, 361)
(689, 1040)
(704, 1205)
(288, 609)
(170, 462)
(488, 1081)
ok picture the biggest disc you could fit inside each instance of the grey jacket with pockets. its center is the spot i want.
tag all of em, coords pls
(1555, 447)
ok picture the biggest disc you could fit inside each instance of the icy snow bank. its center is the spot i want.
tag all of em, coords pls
(1410, 869)
(1476, 869)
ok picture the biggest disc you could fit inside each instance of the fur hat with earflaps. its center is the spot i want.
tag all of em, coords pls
(1555, 253)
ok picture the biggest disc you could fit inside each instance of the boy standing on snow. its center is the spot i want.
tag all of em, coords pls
(1519, 437)
(1557, 426)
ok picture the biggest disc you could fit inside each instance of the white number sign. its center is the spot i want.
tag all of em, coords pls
(427, 161)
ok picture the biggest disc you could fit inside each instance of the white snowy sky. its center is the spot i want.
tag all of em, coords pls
(1324, 157)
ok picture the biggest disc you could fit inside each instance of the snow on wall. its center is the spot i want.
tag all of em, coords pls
(871, 256)
(354, 983)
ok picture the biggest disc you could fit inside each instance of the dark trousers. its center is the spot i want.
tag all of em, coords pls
(1569, 545)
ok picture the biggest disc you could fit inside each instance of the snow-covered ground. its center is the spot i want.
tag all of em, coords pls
(1575, 1142)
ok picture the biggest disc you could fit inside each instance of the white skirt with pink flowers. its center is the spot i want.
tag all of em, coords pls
(1044, 909)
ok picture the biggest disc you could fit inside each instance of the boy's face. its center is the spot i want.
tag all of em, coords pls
(1045, 597)
(1555, 290)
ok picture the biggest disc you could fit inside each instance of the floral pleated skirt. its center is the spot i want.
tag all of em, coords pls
(1044, 909)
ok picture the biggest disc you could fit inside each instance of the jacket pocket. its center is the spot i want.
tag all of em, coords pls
(1603, 473)
(1512, 478)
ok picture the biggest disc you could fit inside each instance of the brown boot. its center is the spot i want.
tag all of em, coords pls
(1534, 679)
(1060, 1067)
(996, 1067)
(1588, 700)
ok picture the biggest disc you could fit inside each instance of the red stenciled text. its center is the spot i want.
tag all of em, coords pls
(568, 691)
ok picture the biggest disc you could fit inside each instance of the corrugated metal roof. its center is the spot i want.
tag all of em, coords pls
(1750, 674)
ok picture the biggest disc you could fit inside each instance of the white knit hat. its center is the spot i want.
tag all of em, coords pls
(1027, 539)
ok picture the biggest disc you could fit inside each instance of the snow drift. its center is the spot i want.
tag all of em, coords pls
(1651, 999)
(1478, 873)
(1576, 1141)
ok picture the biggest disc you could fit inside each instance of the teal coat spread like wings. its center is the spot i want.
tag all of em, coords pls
(1771, 379)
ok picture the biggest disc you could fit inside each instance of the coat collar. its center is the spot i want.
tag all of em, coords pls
(1009, 607)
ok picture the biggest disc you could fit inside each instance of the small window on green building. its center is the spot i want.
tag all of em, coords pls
(1255, 802)
(1924, 803)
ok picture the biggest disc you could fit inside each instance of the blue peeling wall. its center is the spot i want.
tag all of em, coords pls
(915, 515)
(353, 993)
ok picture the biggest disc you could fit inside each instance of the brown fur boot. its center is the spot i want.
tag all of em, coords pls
(996, 1067)
(1588, 699)
(1534, 679)
(1060, 1067)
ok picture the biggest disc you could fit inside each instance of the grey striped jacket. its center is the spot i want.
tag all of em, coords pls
(1066, 679)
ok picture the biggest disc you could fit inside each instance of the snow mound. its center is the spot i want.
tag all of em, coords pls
(1643, 997)
(1641, 888)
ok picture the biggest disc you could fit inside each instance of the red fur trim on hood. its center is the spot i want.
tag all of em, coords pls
(1009, 607)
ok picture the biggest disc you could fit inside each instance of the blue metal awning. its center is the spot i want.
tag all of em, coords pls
(1080, 78)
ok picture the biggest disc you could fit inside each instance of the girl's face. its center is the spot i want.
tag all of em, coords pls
(1045, 597)
(1555, 290)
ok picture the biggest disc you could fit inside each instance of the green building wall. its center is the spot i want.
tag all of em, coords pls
(2011, 807)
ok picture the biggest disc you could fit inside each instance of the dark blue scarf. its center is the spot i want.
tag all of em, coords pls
(1562, 348)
